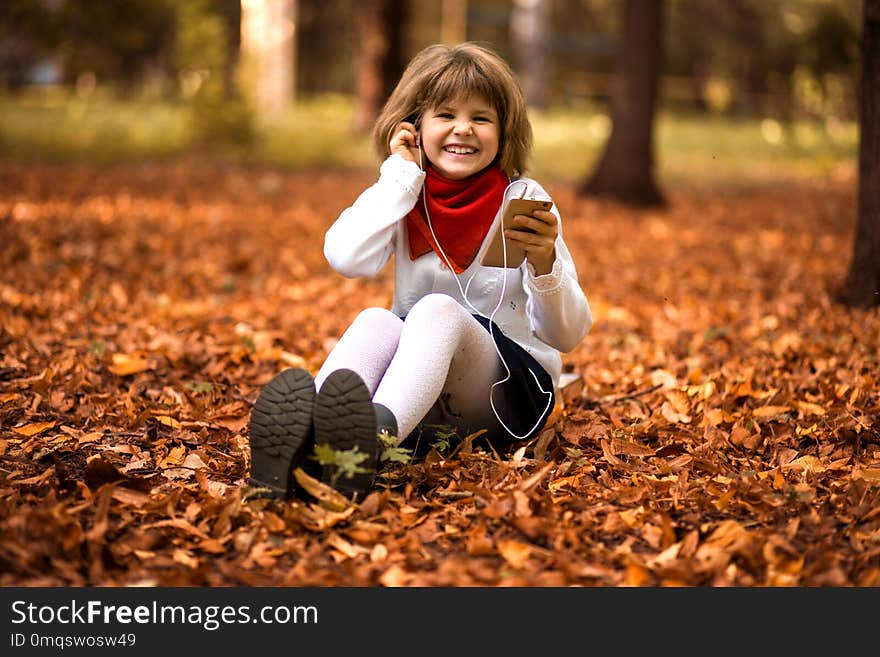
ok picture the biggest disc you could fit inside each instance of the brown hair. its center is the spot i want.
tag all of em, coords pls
(441, 72)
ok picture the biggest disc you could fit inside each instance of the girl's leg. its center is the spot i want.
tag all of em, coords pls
(366, 347)
(442, 350)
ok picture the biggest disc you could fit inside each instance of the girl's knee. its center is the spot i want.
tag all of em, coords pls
(437, 306)
(377, 317)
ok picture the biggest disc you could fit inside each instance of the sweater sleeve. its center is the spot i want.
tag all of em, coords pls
(557, 307)
(361, 241)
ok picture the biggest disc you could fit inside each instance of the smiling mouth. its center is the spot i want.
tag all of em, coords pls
(460, 150)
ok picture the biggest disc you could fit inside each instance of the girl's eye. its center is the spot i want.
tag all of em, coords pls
(445, 115)
(481, 119)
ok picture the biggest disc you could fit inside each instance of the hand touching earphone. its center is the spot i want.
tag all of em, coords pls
(405, 141)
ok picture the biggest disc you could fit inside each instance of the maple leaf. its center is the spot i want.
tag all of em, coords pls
(391, 450)
(345, 461)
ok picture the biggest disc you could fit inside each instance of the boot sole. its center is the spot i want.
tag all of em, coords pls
(281, 431)
(345, 420)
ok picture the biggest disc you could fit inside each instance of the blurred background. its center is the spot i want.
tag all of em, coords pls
(725, 91)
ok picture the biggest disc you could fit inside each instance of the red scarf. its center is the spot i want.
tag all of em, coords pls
(461, 213)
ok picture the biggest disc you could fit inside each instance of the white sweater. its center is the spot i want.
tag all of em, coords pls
(545, 314)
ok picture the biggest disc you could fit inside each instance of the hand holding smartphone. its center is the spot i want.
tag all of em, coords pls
(492, 254)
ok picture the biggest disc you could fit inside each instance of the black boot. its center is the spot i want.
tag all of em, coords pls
(347, 424)
(281, 432)
(385, 421)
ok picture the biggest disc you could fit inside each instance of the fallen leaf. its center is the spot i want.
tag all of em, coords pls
(770, 411)
(33, 428)
(516, 553)
(124, 364)
(167, 420)
(326, 495)
(806, 463)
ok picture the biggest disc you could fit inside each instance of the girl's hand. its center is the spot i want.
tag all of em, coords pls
(403, 142)
(536, 235)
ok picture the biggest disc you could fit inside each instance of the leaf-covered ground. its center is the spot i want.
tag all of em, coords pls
(722, 428)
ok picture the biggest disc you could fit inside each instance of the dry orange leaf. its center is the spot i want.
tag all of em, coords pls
(672, 415)
(630, 448)
(636, 575)
(810, 408)
(174, 457)
(394, 577)
(571, 481)
(663, 378)
(128, 496)
(770, 411)
(185, 558)
(33, 428)
(350, 550)
(378, 553)
(806, 463)
(326, 495)
(713, 417)
(168, 421)
(124, 364)
(868, 474)
(632, 517)
(90, 437)
(516, 553)
(292, 360)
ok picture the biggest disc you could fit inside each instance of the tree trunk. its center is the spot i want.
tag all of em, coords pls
(862, 286)
(626, 168)
(268, 49)
(453, 21)
(529, 31)
(381, 56)
(697, 45)
(750, 32)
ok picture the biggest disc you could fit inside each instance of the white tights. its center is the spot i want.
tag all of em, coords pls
(439, 364)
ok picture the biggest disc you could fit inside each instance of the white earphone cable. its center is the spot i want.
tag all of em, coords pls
(491, 317)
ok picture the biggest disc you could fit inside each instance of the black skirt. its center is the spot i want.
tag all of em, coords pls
(522, 402)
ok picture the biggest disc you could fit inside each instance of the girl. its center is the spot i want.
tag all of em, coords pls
(463, 344)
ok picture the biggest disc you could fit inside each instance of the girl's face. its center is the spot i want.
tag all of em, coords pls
(460, 136)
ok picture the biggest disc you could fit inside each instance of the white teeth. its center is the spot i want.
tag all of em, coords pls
(460, 150)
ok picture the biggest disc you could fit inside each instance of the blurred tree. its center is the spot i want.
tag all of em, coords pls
(687, 52)
(453, 21)
(862, 286)
(201, 54)
(626, 167)
(114, 41)
(326, 42)
(831, 42)
(27, 31)
(830, 52)
(789, 59)
(751, 35)
(229, 11)
(268, 52)
(381, 57)
(529, 32)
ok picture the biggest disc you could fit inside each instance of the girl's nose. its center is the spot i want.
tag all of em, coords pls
(462, 127)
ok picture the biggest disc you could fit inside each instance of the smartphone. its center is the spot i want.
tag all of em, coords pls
(416, 120)
(492, 254)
